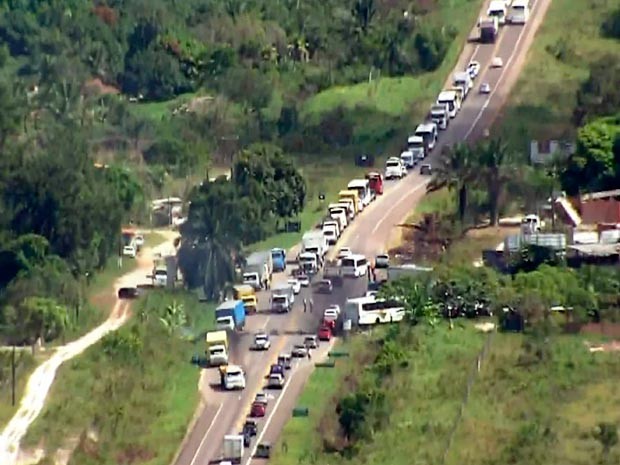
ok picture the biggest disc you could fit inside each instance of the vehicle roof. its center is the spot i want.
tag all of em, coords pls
(406, 152)
(446, 95)
(393, 160)
(414, 138)
(357, 183)
(243, 287)
(425, 127)
(520, 3)
(347, 191)
(497, 5)
(356, 256)
(373, 174)
(230, 368)
(229, 304)
(461, 74)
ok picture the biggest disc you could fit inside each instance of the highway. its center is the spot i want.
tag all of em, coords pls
(224, 412)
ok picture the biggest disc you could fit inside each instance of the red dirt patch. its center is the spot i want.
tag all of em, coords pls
(611, 330)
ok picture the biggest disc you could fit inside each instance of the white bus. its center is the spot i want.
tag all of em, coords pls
(370, 310)
(362, 186)
(519, 12)
(354, 266)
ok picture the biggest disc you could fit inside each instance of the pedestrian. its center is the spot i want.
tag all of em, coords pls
(305, 305)
(284, 446)
(311, 305)
(309, 355)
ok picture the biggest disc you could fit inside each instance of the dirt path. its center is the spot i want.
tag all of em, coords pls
(43, 376)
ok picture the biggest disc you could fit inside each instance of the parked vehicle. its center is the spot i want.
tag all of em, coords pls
(230, 315)
(309, 264)
(448, 97)
(382, 261)
(275, 381)
(299, 351)
(362, 186)
(344, 252)
(354, 266)
(497, 9)
(426, 169)
(285, 361)
(258, 270)
(394, 168)
(354, 197)
(376, 182)
(304, 280)
(277, 368)
(234, 377)
(261, 397)
(325, 333)
(128, 293)
(278, 257)
(129, 251)
(233, 448)
(439, 115)
(315, 241)
(417, 146)
(519, 12)
(295, 284)
(261, 341)
(311, 342)
(408, 159)
(258, 410)
(464, 78)
(216, 348)
(282, 298)
(489, 28)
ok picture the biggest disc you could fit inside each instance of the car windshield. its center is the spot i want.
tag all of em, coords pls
(261, 338)
(392, 164)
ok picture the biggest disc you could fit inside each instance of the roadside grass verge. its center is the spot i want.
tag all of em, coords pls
(424, 398)
(439, 201)
(525, 409)
(25, 363)
(540, 106)
(326, 176)
(386, 107)
(142, 389)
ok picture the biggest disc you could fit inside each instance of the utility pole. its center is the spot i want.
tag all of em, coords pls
(13, 376)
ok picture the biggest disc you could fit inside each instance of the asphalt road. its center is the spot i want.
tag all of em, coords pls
(223, 412)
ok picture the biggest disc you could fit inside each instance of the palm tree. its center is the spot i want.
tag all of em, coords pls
(494, 163)
(456, 170)
(174, 317)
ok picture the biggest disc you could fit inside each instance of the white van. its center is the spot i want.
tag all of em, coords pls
(463, 78)
(448, 97)
(331, 233)
(497, 9)
(354, 266)
(415, 145)
(339, 214)
(428, 132)
(408, 159)
(519, 12)
(362, 186)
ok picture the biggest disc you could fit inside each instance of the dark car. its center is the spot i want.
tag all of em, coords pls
(250, 427)
(276, 369)
(426, 169)
(128, 293)
(325, 286)
(247, 439)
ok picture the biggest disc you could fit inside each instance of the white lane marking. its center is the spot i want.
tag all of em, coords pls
(514, 53)
(396, 204)
(204, 438)
(268, 421)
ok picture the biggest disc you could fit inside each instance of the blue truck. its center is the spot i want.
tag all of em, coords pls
(278, 257)
(230, 315)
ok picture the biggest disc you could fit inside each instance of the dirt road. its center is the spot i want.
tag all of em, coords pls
(41, 380)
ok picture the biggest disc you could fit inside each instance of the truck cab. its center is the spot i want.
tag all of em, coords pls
(308, 262)
(428, 132)
(217, 348)
(448, 97)
(375, 180)
(417, 146)
(408, 159)
(278, 257)
(282, 298)
(250, 302)
(439, 115)
(230, 315)
(353, 196)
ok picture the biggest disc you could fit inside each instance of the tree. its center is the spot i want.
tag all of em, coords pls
(12, 109)
(414, 295)
(599, 95)
(173, 317)
(595, 165)
(456, 171)
(39, 317)
(494, 162)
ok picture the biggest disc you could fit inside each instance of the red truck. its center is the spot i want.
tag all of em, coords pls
(375, 180)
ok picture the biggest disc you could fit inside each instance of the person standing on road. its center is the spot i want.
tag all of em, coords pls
(309, 355)
(311, 305)
(305, 305)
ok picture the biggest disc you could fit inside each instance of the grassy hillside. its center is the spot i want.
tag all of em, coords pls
(525, 406)
(566, 45)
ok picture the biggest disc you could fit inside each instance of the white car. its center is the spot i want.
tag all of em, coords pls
(497, 62)
(371, 294)
(394, 168)
(299, 350)
(304, 280)
(485, 88)
(275, 381)
(129, 251)
(473, 68)
(330, 314)
(334, 307)
(295, 284)
(344, 252)
(234, 379)
(138, 240)
(261, 342)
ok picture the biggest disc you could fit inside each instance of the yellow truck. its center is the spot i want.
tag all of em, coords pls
(247, 294)
(217, 348)
(353, 195)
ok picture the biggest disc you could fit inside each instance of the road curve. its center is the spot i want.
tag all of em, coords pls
(223, 413)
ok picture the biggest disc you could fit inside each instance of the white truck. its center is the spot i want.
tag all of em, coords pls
(416, 145)
(282, 298)
(258, 269)
(463, 78)
(315, 241)
(233, 448)
(439, 115)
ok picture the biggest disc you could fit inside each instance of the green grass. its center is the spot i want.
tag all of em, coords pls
(408, 95)
(544, 412)
(439, 201)
(139, 398)
(542, 102)
(158, 111)
(521, 410)
(423, 397)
